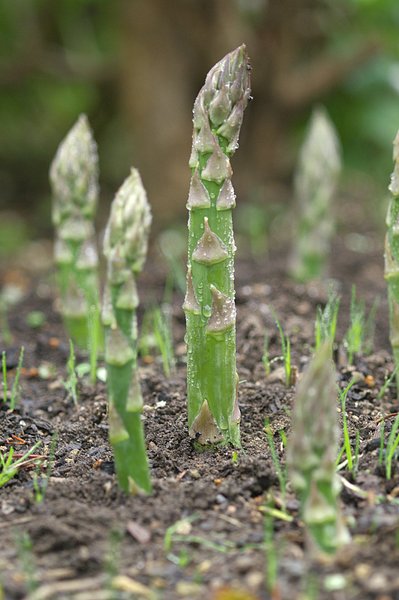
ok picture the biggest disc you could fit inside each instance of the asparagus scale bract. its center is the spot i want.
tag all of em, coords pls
(392, 257)
(213, 412)
(312, 451)
(74, 180)
(315, 182)
(125, 247)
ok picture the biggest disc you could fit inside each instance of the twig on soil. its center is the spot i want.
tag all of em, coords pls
(21, 521)
(355, 489)
(386, 417)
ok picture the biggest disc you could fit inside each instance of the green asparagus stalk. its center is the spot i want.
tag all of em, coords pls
(312, 450)
(74, 181)
(213, 412)
(392, 258)
(125, 247)
(315, 183)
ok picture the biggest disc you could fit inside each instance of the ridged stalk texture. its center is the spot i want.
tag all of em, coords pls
(315, 184)
(74, 181)
(392, 257)
(125, 247)
(209, 306)
(312, 451)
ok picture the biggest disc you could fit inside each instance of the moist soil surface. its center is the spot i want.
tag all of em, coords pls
(208, 530)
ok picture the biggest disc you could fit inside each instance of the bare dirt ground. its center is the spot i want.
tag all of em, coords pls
(202, 532)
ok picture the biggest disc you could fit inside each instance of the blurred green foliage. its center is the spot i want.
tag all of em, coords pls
(365, 109)
(60, 58)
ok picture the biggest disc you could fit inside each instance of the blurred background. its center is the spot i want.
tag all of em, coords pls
(135, 67)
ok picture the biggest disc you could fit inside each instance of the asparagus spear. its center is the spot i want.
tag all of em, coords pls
(213, 412)
(74, 181)
(125, 247)
(392, 258)
(315, 183)
(312, 451)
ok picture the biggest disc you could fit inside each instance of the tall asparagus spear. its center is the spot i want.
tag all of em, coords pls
(312, 451)
(74, 180)
(213, 412)
(392, 257)
(315, 183)
(125, 246)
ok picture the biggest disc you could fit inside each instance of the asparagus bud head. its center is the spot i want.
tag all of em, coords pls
(74, 182)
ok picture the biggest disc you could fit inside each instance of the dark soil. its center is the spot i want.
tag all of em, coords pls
(202, 532)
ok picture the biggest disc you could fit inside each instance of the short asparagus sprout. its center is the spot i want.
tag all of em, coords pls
(213, 412)
(74, 181)
(315, 183)
(312, 451)
(359, 338)
(392, 257)
(125, 247)
(326, 321)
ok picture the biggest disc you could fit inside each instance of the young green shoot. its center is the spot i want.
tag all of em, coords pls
(15, 389)
(369, 328)
(279, 469)
(4, 325)
(112, 561)
(355, 334)
(326, 321)
(71, 382)
(271, 555)
(382, 443)
(392, 257)
(312, 451)
(347, 443)
(392, 444)
(266, 355)
(213, 413)
(125, 248)
(387, 383)
(35, 319)
(172, 244)
(27, 563)
(286, 352)
(4, 373)
(10, 467)
(235, 459)
(163, 339)
(40, 483)
(74, 182)
(93, 341)
(315, 183)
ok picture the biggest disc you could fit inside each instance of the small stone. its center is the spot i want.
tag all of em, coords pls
(254, 579)
(244, 563)
(335, 582)
(188, 589)
(376, 583)
(204, 566)
(107, 487)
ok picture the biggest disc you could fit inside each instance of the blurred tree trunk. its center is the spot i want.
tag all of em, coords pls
(167, 49)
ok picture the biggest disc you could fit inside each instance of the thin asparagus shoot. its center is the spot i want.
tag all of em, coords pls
(312, 451)
(213, 413)
(74, 182)
(315, 183)
(392, 258)
(125, 247)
